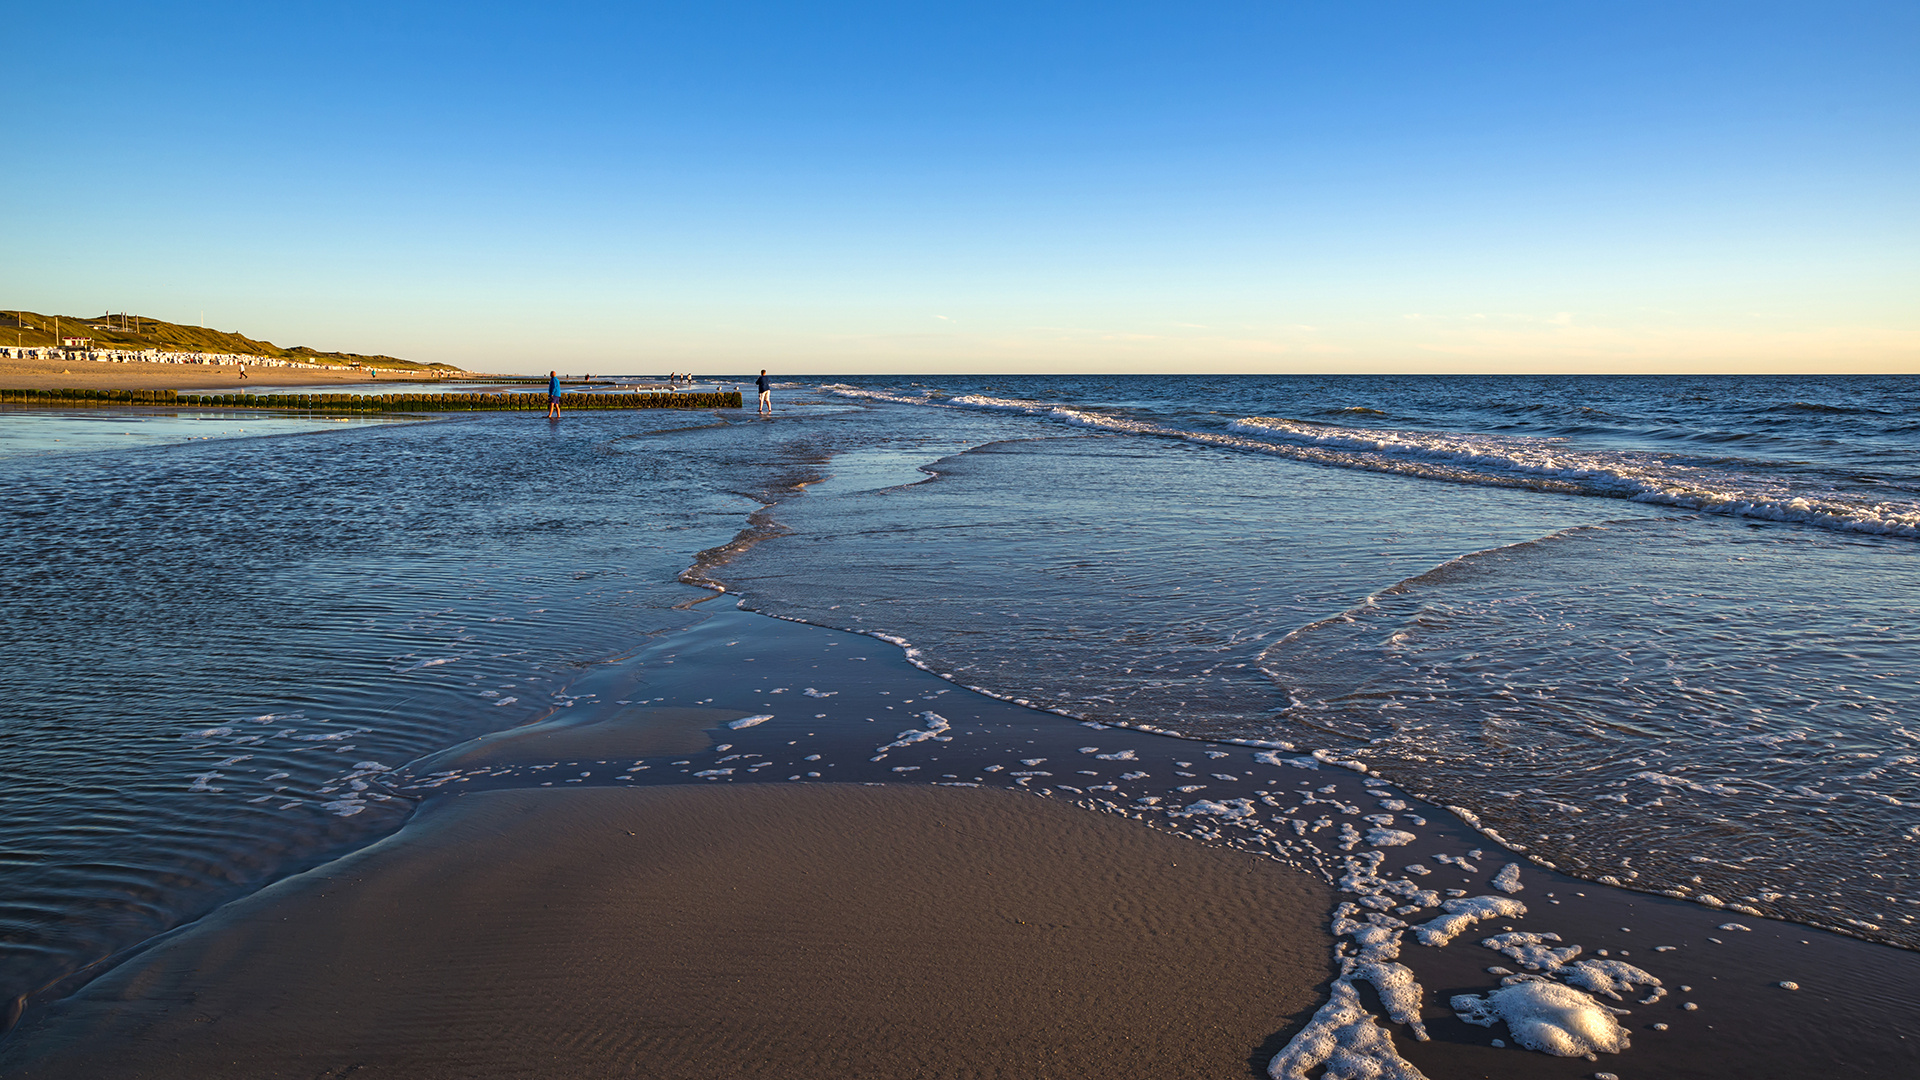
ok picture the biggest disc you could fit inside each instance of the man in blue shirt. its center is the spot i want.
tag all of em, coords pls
(766, 394)
(553, 395)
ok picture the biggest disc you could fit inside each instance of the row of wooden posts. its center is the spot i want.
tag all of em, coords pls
(469, 402)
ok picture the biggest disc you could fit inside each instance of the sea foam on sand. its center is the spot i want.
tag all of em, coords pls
(1547, 1016)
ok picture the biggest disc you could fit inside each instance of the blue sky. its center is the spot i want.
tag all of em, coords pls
(902, 187)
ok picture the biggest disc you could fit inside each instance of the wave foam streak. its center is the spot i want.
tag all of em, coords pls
(1547, 464)
(1553, 465)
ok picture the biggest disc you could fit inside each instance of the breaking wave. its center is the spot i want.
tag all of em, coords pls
(1730, 487)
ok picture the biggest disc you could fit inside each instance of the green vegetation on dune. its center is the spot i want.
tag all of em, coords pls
(136, 333)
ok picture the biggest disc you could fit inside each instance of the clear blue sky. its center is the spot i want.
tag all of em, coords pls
(849, 187)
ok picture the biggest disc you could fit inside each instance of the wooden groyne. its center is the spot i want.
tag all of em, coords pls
(363, 403)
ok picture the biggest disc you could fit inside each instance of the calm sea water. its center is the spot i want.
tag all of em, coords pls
(1651, 630)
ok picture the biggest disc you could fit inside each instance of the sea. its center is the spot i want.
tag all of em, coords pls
(1657, 632)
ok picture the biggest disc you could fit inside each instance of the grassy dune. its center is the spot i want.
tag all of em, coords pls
(137, 332)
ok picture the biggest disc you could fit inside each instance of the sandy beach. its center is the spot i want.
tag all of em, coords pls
(817, 930)
(104, 375)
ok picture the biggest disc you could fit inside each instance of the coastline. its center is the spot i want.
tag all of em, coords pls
(107, 375)
(685, 913)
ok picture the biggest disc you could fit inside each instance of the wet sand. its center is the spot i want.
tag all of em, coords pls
(104, 375)
(810, 930)
(723, 918)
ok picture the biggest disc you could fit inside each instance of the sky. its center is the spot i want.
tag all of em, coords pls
(1038, 187)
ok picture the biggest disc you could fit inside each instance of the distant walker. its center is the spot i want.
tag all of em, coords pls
(553, 395)
(766, 394)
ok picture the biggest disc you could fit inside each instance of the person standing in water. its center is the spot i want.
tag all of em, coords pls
(553, 395)
(766, 394)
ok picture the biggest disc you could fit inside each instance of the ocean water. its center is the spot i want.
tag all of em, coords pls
(1651, 631)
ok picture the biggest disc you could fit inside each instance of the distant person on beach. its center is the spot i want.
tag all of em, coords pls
(243, 370)
(553, 395)
(766, 394)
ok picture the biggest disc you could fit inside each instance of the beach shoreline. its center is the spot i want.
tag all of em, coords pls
(505, 926)
(27, 374)
(1741, 994)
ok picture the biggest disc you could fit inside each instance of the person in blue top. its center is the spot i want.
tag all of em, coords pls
(553, 395)
(766, 394)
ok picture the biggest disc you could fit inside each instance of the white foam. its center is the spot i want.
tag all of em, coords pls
(750, 721)
(1462, 912)
(1549, 464)
(936, 725)
(1613, 978)
(872, 395)
(1345, 1038)
(1231, 809)
(1378, 941)
(1508, 879)
(1533, 951)
(1379, 837)
(1667, 781)
(1547, 1017)
(1399, 992)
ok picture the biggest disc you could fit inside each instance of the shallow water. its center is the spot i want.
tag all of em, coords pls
(217, 647)
(1537, 599)
(41, 432)
(221, 646)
